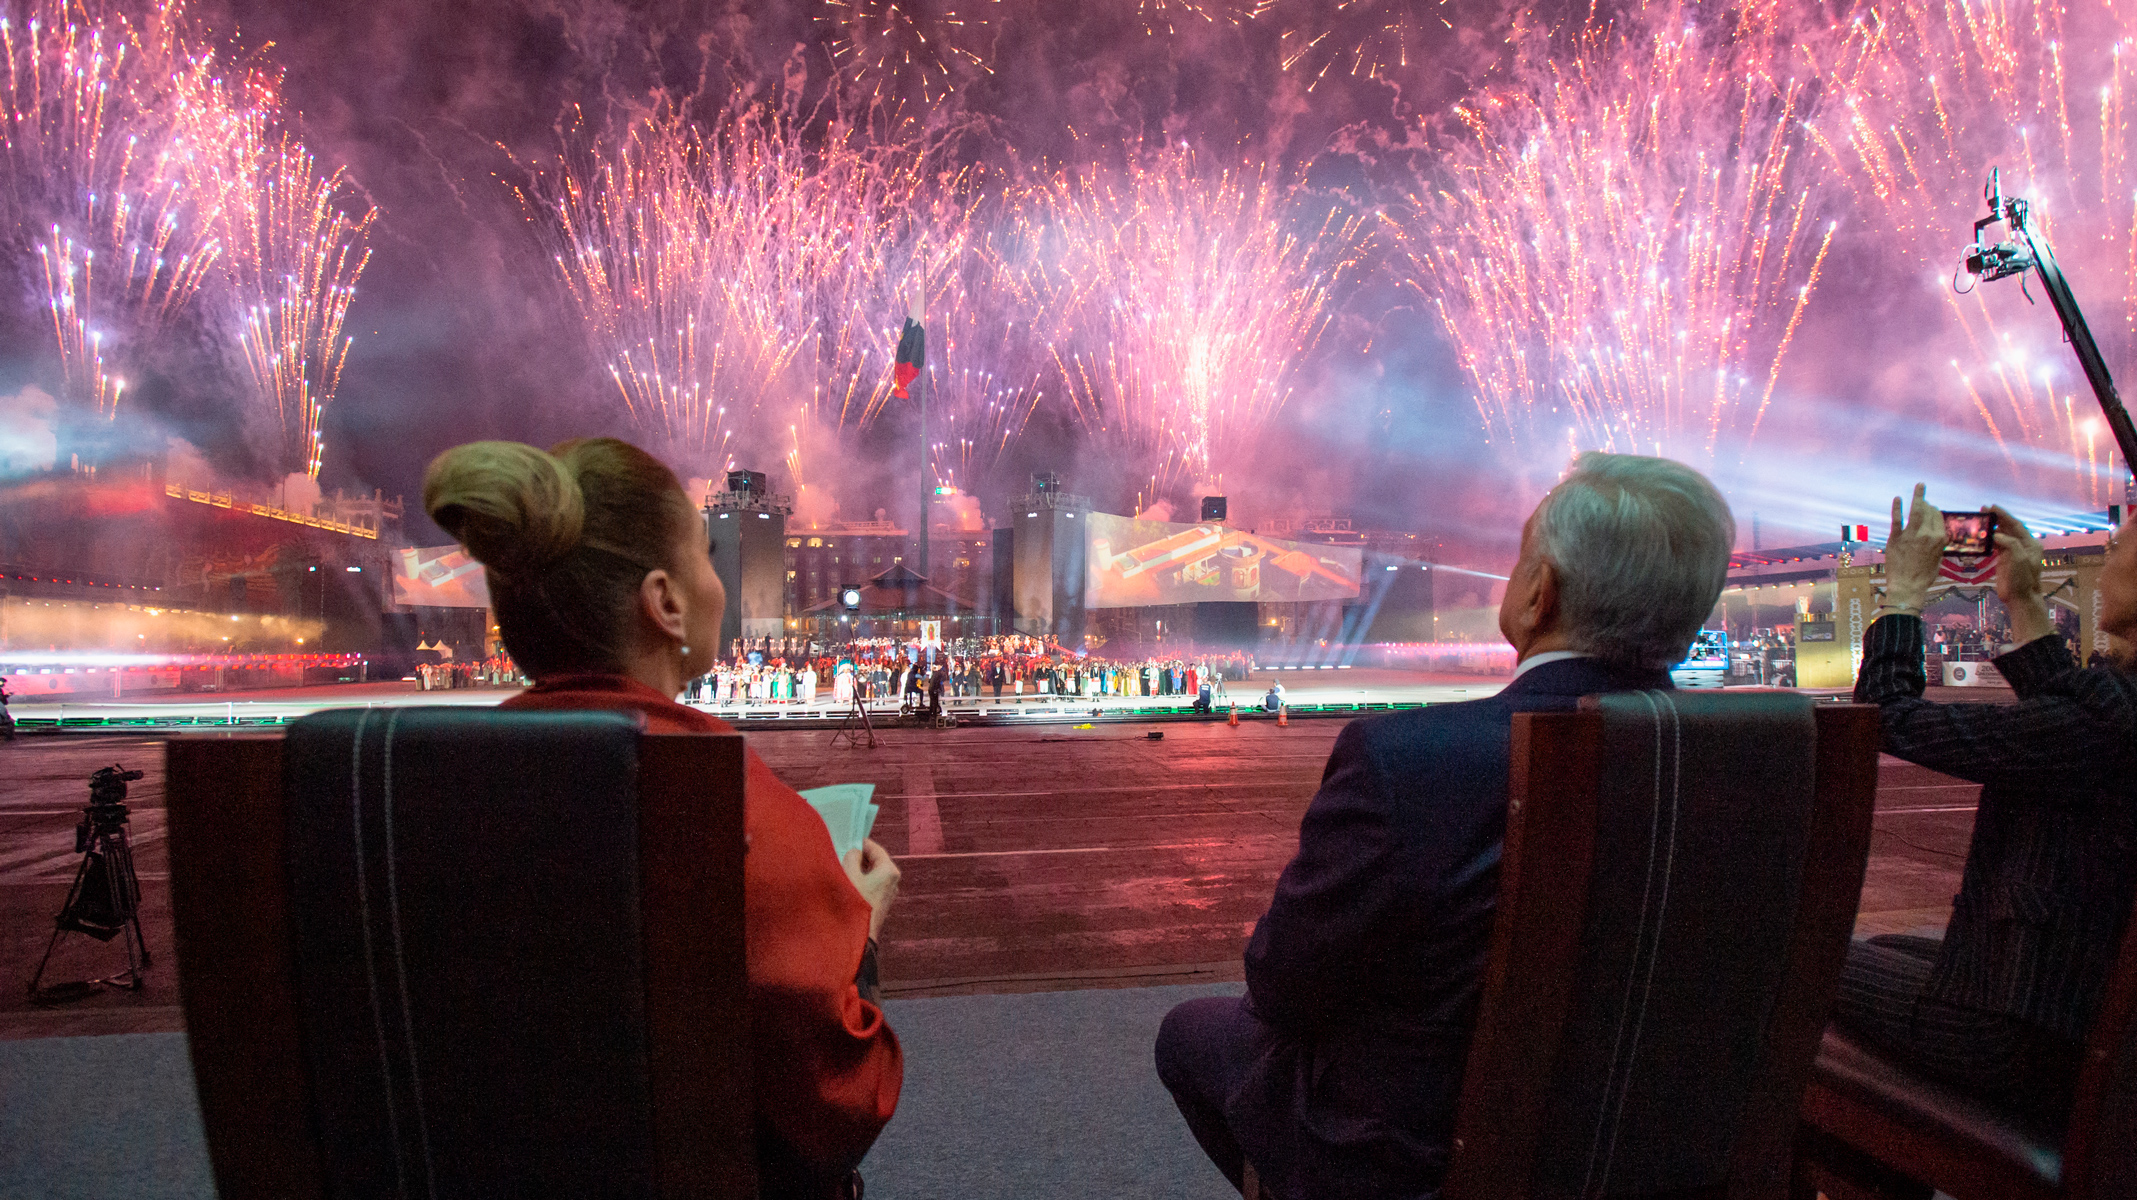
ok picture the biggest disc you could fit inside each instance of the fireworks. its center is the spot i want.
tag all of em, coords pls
(988, 347)
(1623, 249)
(890, 46)
(748, 278)
(1370, 39)
(1168, 16)
(1188, 299)
(156, 189)
(293, 262)
(1933, 93)
(93, 132)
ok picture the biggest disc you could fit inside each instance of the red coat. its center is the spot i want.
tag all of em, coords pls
(827, 1066)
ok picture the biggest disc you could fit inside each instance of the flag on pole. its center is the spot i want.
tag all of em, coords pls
(912, 347)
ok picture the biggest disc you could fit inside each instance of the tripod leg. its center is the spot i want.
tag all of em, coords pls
(41, 964)
(122, 867)
(73, 894)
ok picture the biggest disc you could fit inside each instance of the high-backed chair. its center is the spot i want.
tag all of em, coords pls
(1873, 1130)
(453, 952)
(1679, 884)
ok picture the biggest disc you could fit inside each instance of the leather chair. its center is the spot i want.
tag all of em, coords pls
(1872, 1130)
(453, 952)
(1678, 888)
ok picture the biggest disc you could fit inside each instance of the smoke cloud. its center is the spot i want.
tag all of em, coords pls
(29, 432)
(462, 330)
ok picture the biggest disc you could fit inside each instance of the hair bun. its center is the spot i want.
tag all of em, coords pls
(515, 507)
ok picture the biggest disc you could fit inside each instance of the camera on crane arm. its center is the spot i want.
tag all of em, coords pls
(2000, 260)
(2027, 252)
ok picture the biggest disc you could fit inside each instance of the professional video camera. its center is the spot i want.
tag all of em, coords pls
(105, 901)
(2028, 250)
(106, 810)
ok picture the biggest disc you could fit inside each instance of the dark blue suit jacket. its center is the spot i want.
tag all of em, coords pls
(1367, 968)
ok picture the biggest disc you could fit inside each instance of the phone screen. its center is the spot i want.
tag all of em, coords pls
(1969, 534)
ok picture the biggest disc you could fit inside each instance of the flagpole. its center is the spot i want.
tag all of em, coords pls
(926, 494)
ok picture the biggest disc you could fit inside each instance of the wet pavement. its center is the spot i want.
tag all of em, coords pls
(1035, 858)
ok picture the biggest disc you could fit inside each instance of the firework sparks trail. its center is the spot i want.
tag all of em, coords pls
(1932, 94)
(894, 48)
(1367, 39)
(739, 281)
(1623, 248)
(1168, 17)
(93, 119)
(293, 261)
(155, 187)
(991, 369)
(1187, 299)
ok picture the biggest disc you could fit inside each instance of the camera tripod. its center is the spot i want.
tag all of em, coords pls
(105, 901)
(856, 722)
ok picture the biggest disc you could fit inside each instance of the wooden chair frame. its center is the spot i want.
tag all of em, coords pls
(1529, 984)
(1911, 1161)
(236, 961)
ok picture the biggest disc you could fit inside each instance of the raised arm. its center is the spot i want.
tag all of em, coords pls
(2067, 722)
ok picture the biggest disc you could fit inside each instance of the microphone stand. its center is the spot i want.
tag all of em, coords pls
(2029, 251)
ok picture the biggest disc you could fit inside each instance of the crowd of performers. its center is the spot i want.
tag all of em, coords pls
(794, 671)
(494, 671)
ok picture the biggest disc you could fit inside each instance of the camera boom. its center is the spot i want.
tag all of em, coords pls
(2029, 251)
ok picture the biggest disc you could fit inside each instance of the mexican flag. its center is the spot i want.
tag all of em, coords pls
(912, 347)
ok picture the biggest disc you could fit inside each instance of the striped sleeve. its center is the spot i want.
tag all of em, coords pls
(2066, 727)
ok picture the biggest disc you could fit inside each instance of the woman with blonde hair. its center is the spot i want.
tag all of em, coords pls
(602, 581)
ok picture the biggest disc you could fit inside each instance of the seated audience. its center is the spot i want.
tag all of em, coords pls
(2001, 1003)
(1338, 1073)
(605, 595)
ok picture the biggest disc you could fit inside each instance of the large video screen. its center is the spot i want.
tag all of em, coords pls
(439, 576)
(1133, 563)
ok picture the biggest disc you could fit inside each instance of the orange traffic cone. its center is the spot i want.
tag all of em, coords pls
(1234, 722)
(1283, 717)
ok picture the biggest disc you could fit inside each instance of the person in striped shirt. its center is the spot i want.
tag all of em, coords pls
(1999, 1005)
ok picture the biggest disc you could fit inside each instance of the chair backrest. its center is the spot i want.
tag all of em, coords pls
(432, 952)
(2100, 1152)
(1678, 888)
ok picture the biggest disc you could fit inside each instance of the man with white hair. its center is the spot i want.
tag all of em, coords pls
(1338, 1073)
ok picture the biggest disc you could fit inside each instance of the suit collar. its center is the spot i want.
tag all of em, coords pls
(1584, 676)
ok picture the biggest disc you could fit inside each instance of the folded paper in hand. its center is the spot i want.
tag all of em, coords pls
(847, 812)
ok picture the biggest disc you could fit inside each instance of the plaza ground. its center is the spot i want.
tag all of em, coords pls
(1039, 857)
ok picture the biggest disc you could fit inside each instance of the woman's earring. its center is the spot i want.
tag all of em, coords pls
(686, 650)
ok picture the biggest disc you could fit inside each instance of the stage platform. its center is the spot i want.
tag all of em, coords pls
(1308, 692)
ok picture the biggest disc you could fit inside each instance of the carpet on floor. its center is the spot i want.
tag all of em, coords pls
(1031, 1095)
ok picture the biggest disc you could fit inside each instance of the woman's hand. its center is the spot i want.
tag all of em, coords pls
(2018, 579)
(1913, 552)
(875, 876)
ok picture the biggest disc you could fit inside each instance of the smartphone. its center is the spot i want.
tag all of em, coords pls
(1969, 534)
